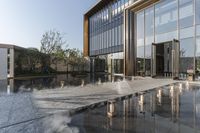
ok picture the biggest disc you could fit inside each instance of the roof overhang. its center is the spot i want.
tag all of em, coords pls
(10, 46)
(141, 4)
(135, 6)
(98, 6)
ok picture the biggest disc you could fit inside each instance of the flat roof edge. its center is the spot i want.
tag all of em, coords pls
(3, 45)
(95, 7)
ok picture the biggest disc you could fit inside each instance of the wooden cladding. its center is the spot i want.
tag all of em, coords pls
(86, 37)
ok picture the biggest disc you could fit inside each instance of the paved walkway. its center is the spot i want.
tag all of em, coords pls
(51, 101)
(19, 111)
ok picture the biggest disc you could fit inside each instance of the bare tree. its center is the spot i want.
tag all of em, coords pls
(52, 42)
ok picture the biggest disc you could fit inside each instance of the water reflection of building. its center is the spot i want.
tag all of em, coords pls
(6, 86)
(177, 111)
(52, 82)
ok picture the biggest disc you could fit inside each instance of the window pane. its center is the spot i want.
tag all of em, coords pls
(198, 30)
(198, 47)
(140, 43)
(140, 26)
(140, 34)
(198, 11)
(149, 21)
(166, 36)
(198, 57)
(148, 60)
(186, 13)
(166, 16)
(186, 54)
(187, 33)
(149, 38)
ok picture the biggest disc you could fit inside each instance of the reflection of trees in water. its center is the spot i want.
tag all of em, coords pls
(182, 52)
(29, 85)
(48, 82)
(55, 82)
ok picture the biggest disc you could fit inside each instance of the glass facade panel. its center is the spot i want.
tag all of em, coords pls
(166, 16)
(118, 61)
(149, 38)
(198, 47)
(198, 30)
(186, 14)
(187, 33)
(140, 43)
(197, 11)
(166, 36)
(198, 57)
(186, 55)
(106, 29)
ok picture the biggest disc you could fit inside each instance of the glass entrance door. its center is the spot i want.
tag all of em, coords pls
(165, 59)
(153, 60)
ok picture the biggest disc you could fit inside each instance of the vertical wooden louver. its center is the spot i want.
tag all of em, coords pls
(86, 37)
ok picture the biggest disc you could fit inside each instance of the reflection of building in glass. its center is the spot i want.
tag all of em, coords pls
(7, 86)
(129, 28)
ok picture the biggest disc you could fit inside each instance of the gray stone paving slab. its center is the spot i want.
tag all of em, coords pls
(5, 107)
(50, 101)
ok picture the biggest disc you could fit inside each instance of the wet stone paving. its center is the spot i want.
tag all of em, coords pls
(28, 109)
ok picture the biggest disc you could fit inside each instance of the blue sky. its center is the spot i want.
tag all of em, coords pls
(22, 22)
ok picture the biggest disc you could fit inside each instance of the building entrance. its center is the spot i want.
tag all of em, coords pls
(165, 59)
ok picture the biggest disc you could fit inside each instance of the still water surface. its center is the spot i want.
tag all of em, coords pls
(170, 109)
(53, 82)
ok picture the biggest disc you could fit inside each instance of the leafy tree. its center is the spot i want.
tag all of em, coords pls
(52, 44)
(75, 58)
(26, 61)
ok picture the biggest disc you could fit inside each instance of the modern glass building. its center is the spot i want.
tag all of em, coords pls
(144, 37)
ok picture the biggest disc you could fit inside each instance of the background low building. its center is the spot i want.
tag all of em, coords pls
(7, 60)
(17, 61)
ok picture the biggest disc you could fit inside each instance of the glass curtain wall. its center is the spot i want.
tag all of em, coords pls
(106, 37)
(106, 28)
(140, 61)
(149, 38)
(166, 15)
(198, 38)
(174, 19)
(187, 43)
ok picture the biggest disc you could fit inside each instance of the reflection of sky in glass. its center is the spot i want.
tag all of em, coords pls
(198, 47)
(187, 47)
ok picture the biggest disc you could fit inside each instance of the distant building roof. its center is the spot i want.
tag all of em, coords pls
(10, 46)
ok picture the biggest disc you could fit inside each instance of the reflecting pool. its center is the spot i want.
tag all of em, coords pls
(51, 82)
(169, 109)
